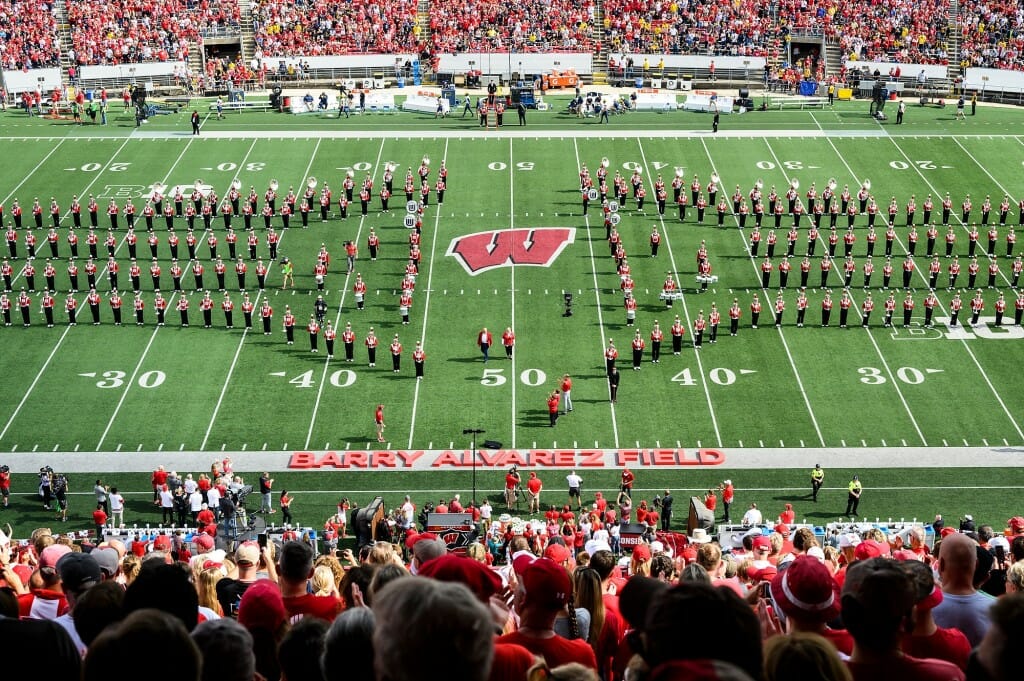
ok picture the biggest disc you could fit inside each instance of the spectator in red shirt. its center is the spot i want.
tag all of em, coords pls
(542, 590)
(927, 639)
(99, 518)
(808, 596)
(534, 487)
(295, 568)
(158, 480)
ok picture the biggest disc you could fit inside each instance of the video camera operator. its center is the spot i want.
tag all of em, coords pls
(512, 486)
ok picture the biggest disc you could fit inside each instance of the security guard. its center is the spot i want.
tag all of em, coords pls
(817, 479)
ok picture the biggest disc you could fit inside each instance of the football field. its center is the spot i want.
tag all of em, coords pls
(509, 241)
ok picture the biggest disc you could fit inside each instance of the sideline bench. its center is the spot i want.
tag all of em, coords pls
(801, 103)
(244, 106)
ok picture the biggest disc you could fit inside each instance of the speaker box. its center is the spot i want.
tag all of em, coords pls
(366, 521)
(700, 517)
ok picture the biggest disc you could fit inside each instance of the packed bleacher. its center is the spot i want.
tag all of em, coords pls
(533, 26)
(130, 31)
(296, 28)
(992, 34)
(688, 27)
(28, 35)
(894, 30)
(612, 587)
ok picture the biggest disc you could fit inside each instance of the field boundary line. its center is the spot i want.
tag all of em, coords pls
(863, 459)
(970, 352)
(770, 304)
(67, 329)
(871, 337)
(682, 299)
(245, 331)
(426, 304)
(341, 305)
(597, 299)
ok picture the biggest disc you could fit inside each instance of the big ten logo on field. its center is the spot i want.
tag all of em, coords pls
(123, 191)
(484, 251)
(985, 328)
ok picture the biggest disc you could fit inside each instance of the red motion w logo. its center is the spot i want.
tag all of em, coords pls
(484, 251)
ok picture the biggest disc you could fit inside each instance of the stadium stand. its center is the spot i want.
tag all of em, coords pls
(309, 29)
(991, 34)
(735, 28)
(128, 31)
(534, 26)
(28, 35)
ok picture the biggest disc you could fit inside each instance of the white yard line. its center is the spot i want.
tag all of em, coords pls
(426, 304)
(769, 303)
(686, 311)
(341, 305)
(511, 225)
(597, 300)
(31, 173)
(63, 335)
(892, 379)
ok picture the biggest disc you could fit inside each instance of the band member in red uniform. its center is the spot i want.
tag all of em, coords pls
(404, 303)
(1000, 308)
(228, 307)
(639, 344)
(273, 238)
(655, 242)
(247, 309)
(348, 338)
(135, 276)
(699, 325)
(630, 306)
(289, 325)
(206, 306)
(755, 311)
(865, 310)
(373, 244)
(844, 308)
(908, 271)
(313, 328)
(780, 308)
(934, 268)
(908, 309)
(977, 305)
(183, 310)
(139, 306)
(657, 335)
(93, 298)
(329, 336)
(825, 267)
(1018, 308)
(972, 272)
(70, 306)
(371, 343)
(889, 307)
(160, 305)
(396, 354)
(115, 307)
(197, 274)
(25, 303)
(993, 272)
(266, 315)
(930, 302)
(714, 318)
(47, 303)
(240, 269)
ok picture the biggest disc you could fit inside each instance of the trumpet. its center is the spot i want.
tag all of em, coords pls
(679, 171)
(605, 162)
(759, 183)
(273, 185)
(236, 184)
(867, 185)
(715, 178)
(832, 184)
(795, 184)
(311, 183)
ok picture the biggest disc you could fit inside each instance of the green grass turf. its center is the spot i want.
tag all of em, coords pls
(806, 387)
(990, 495)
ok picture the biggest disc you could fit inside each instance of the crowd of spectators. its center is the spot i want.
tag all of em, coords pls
(559, 597)
(531, 26)
(131, 31)
(893, 30)
(992, 34)
(739, 28)
(319, 27)
(28, 35)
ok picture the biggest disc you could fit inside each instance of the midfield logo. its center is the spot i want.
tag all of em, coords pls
(485, 251)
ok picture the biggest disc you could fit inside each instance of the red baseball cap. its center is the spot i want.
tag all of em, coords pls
(760, 574)
(546, 584)
(557, 552)
(641, 552)
(411, 540)
(761, 542)
(869, 548)
(806, 589)
(783, 529)
(480, 579)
